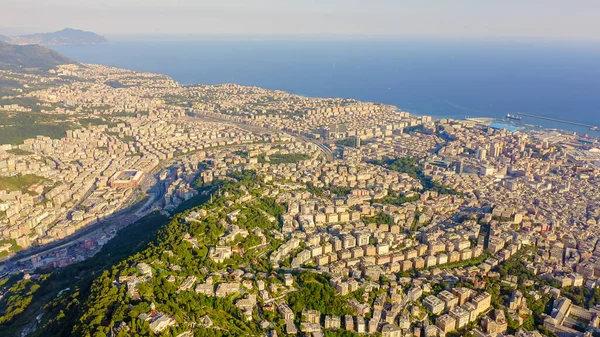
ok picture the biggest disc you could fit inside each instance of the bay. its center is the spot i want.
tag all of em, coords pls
(437, 77)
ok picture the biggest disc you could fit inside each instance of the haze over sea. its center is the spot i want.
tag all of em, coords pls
(442, 78)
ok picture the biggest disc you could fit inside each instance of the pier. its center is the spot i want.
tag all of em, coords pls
(591, 127)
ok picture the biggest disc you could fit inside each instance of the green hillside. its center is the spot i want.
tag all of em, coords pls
(29, 57)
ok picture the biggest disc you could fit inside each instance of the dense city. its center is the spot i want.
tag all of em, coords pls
(272, 214)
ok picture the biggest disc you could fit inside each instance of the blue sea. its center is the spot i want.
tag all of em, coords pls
(436, 77)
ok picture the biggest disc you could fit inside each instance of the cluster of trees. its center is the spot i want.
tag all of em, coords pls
(20, 182)
(501, 293)
(318, 191)
(57, 314)
(19, 152)
(270, 206)
(283, 158)
(381, 218)
(14, 247)
(516, 266)
(406, 165)
(63, 311)
(411, 167)
(315, 293)
(7, 85)
(29, 103)
(246, 178)
(340, 333)
(394, 198)
(204, 332)
(351, 142)
(340, 191)
(23, 125)
(348, 142)
(17, 300)
(582, 296)
(540, 307)
(466, 263)
(107, 300)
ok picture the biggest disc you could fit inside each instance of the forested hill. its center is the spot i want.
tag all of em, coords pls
(67, 36)
(97, 298)
(13, 57)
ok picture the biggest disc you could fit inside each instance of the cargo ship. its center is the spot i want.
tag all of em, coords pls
(515, 117)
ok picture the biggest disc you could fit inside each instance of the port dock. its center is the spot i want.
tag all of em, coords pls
(591, 127)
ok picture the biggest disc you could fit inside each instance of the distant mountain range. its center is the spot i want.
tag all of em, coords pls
(29, 57)
(67, 36)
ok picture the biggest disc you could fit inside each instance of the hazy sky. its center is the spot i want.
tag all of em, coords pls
(523, 18)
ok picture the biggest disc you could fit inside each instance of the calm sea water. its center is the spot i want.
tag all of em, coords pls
(452, 78)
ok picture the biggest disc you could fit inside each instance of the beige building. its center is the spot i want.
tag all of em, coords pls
(446, 323)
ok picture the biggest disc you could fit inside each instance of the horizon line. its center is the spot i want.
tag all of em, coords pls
(326, 36)
(490, 38)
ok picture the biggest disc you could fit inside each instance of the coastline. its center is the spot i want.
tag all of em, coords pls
(434, 78)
